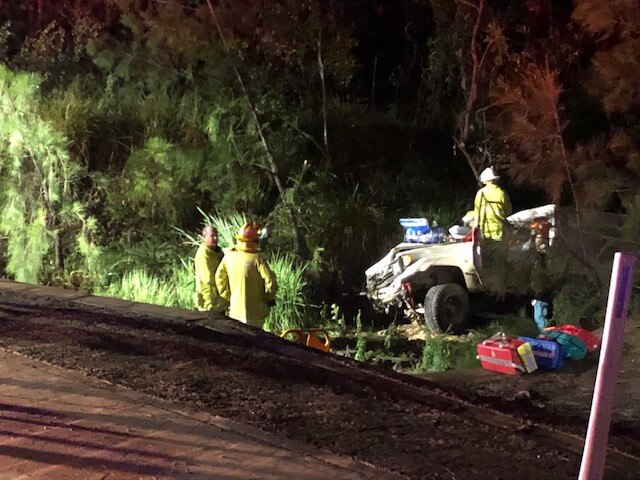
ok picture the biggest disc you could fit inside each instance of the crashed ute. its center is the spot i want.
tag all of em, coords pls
(432, 281)
(429, 281)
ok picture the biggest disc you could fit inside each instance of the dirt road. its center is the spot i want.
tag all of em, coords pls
(394, 422)
(59, 424)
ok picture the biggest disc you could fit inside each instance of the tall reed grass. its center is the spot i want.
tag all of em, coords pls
(141, 286)
(290, 310)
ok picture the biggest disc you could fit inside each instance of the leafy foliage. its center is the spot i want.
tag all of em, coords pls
(615, 66)
(39, 210)
(532, 124)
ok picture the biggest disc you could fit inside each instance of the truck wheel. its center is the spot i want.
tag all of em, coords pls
(446, 308)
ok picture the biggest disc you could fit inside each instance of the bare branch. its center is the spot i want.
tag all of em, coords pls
(476, 7)
(306, 135)
(484, 54)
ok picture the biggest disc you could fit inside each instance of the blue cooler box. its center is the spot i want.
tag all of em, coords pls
(548, 354)
(416, 230)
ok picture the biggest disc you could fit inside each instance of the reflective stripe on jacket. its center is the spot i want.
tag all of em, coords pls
(491, 208)
(246, 281)
(206, 263)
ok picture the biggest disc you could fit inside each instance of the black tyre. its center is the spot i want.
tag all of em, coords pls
(446, 308)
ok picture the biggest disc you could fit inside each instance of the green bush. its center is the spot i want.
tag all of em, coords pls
(290, 310)
(440, 353)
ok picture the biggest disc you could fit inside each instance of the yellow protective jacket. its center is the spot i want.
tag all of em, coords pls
(246, 281)
(206, 262)
(491, 207)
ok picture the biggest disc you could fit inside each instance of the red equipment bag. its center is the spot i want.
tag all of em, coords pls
(590, 340)
(500, 354)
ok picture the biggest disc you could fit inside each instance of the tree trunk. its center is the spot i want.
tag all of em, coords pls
(324, 95)
(471, 87)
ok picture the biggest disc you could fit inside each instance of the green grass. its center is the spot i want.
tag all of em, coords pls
(445, 353)
(290, 310)
(141, 286)
(182, 277)
(435, 354)
(448, 352)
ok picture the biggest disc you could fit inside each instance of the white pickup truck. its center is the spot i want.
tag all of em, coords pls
(433, 281)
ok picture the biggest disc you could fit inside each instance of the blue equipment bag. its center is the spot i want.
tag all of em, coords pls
(548, 354)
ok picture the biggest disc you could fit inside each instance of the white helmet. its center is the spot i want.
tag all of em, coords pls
(488, 175)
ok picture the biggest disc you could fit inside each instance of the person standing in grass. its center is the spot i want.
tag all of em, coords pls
(208, 257)
(491, 207)
(245, 279)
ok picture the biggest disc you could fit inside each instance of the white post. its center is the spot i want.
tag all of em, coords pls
(595, 447)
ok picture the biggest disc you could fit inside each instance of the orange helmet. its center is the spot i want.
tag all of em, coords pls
(249, 232)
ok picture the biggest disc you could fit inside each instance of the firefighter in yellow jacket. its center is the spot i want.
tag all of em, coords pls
(207, 259)
(245, 279)
(491, 207)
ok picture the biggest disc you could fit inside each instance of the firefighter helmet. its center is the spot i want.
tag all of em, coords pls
(488, 175)
(249, 232)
